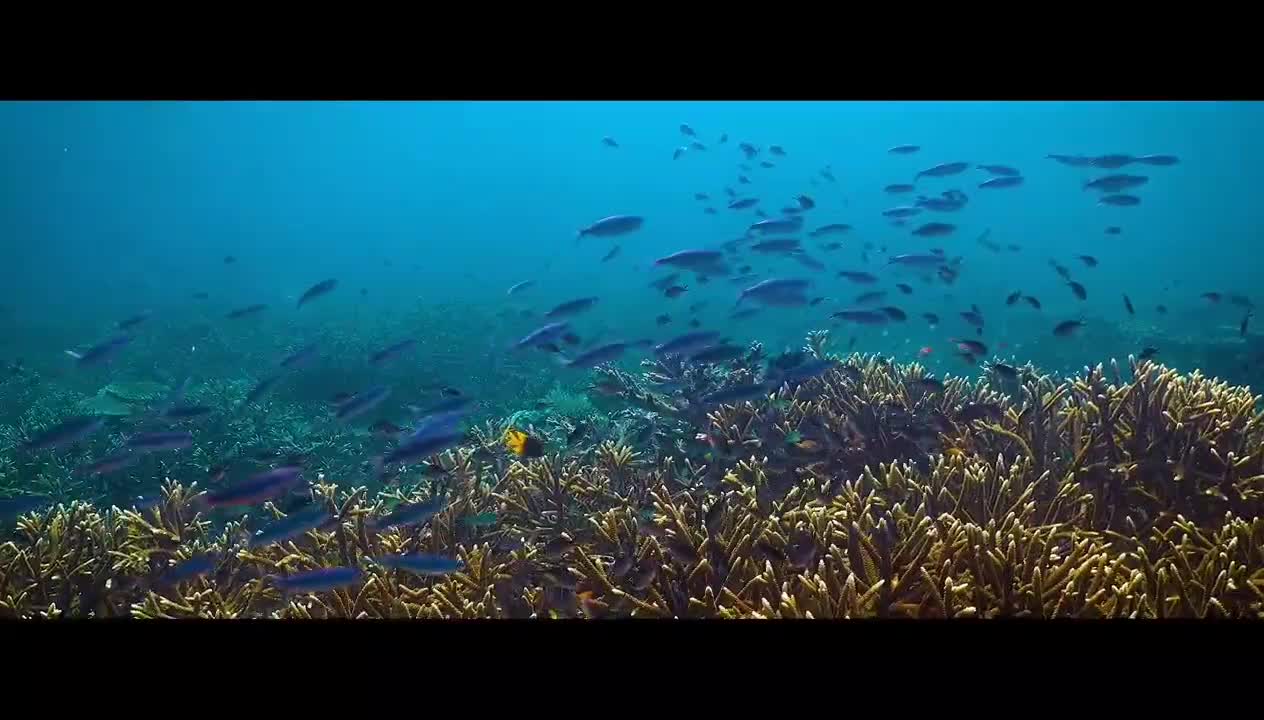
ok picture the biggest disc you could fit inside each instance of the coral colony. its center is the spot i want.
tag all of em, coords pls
(823, 487)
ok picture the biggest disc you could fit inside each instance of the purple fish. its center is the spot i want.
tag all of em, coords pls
(65, 433)
(418, 448)
(1161, 160)
(542, 335)
(904, 149)
(299, 357)
(290, 527)
(1115, 183)
(362, 402)
(110, 463)
(1003, 170)
(411, 514)
(391, 352)
(898, 188)
(709, 260)
(157, 441)
(743, 203)
(321, 288)
(613, 226)
(571, 307)
(102, 353)
(1005, 181)
(778, 225)
(1120, 200)
(783, 292)
(256, 489)
(935, 229)
(902, 211)
(917, 260)
(194, 567)
(247, 311)
(420, 563)
(943, 170)
(322, 580)
(598, 355)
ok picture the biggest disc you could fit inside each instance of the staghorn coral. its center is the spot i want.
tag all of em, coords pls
(863, 493)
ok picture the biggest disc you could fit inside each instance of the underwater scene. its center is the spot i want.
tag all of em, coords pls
(597, 360)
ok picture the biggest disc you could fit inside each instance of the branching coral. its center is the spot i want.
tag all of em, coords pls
(870, 491)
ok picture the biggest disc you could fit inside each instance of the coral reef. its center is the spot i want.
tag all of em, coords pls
(872, 490)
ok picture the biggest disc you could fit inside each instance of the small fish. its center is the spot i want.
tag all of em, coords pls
(1032, 301)
(903, 211)
(862, 278)
(190, 569)
(695, 145)
(394, 351)
(777, 225)
(973, 347)
(542, 335)
(935, 229)
(110, 463)
(1003, 170)
(724, 137)
(612, 226)
(862, 317)
(1160, 160)
(1067, 328)
(229, 259)
(1088, 260)
(519, 287)
(777, 245)
(777, 292)
(1147, 353)
(1008, 372)
(1120, 200)
(717, 354)
(521, 444)
(421, 563)
(1013, 297)
(411, 514)
(1161, 309)
(315, 581)
(687, 131)
(1212, 296)
(924, 260)
(931, 318)
(662, 320)
(1113, 230)
(898, 188)
(66, 432)
(904, 149)
(186, 412)
(609, 142)
(943, 170)
(894, 313)
(1111, 162)
(1078, 290)
(423, 445)
(614, 252)
(766, 164)
(1128, 305)
(158, 441)
(806, 202)
(675, 291)
(323, 287)
(831, 229)
(102, 353)
(247, 311)
(776, 150)
(1115, 183)
(133, 321)
(362, 402)
(1006, 181)
(742, 180)
(571, 307)
(290, 527)
(686, 343)
(257, 488)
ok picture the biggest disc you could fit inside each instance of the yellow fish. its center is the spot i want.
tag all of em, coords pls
(522, 444)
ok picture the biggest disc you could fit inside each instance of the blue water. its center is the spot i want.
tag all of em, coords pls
(112, 208)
